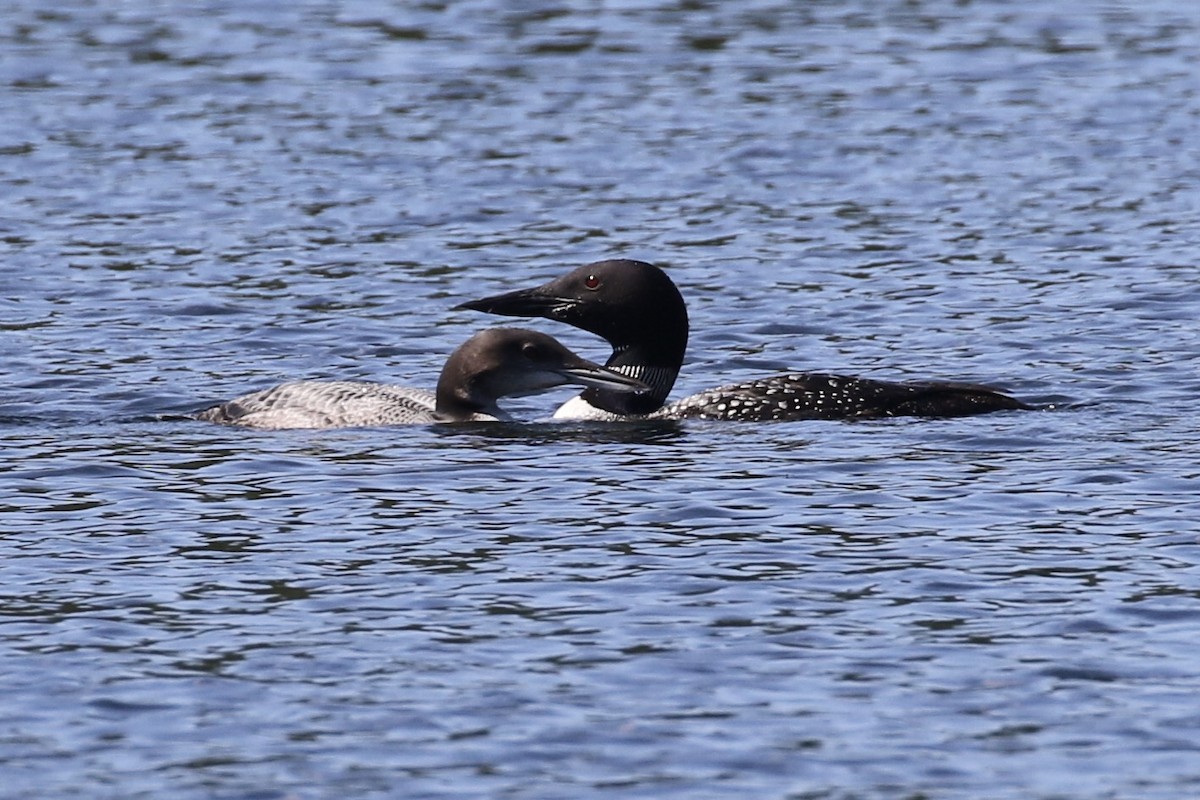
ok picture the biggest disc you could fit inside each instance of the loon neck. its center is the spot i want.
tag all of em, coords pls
(633, 305)
(457, 402)
(638, 309)
(658, 370)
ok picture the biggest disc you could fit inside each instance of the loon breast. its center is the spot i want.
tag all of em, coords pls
(577, 408)
(658, 379)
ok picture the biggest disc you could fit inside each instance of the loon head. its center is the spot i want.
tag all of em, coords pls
(632, 304)
(511, 362)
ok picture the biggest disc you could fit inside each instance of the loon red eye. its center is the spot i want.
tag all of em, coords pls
(592, 282)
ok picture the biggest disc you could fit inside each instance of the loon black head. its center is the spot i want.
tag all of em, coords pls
(512, 362)
(632, 304)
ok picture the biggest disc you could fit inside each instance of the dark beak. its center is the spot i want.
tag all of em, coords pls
(522, 303)
(585, 373)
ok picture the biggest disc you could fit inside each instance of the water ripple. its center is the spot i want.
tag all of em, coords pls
(200, 204)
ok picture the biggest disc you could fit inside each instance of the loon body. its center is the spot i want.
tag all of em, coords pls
(638, 309)
(495, 363)
(820, 396)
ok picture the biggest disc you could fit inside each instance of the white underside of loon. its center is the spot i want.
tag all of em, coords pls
(578, 408)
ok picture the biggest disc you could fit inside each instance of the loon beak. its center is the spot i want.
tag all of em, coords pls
(522, 303)
(585, 373)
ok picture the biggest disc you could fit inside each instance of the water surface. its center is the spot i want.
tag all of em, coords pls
(199, 199)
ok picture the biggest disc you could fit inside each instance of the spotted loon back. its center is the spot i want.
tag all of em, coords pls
(797, 396)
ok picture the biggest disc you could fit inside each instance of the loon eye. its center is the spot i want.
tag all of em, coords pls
(531, 351)
(592, 282)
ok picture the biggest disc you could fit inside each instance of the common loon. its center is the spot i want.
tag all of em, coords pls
(639, 310)
(495, 363)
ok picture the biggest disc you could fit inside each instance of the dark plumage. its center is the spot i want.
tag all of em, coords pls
(639, 310)
(817, 396)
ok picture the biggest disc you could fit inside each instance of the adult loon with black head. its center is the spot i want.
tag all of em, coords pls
(639, 310)
(495, 363)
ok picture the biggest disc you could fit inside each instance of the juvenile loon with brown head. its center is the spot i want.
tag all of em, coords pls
(495, 363)
(639, 310)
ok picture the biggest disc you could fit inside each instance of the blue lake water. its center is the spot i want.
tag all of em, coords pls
(200, 199)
